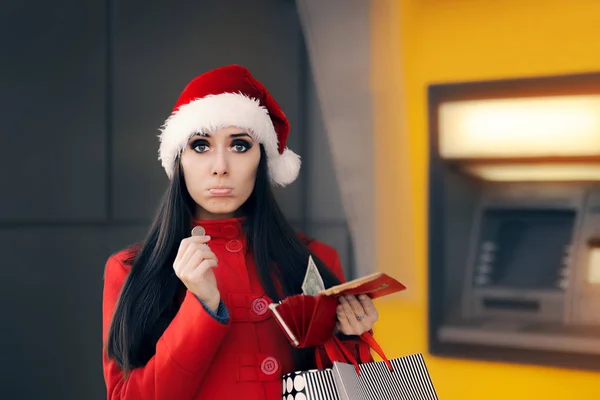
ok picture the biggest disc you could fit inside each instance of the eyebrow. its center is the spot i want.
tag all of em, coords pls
(237, 135)
(233, 135)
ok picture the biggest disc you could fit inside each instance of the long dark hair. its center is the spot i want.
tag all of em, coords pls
(149, 299)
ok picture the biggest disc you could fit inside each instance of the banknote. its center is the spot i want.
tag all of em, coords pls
(313, 283)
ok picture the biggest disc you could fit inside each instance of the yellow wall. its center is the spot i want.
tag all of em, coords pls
(418, 42)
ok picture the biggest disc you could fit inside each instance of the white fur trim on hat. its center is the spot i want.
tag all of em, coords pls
(215, 112)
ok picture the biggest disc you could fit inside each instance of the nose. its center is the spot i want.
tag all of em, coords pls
(220, 166)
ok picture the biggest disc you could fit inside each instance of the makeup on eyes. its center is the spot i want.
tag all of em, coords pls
(238, 139)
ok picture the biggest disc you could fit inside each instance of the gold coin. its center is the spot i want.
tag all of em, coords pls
(198, 231)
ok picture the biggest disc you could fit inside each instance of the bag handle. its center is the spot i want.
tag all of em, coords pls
(333, 353)
(336, 351)
(372, 343)
(346, 353)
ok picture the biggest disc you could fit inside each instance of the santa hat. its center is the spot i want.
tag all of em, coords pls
(230, 96)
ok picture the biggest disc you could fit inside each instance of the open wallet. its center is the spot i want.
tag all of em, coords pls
(308, 320)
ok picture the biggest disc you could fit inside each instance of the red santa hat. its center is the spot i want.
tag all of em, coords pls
(230, 96)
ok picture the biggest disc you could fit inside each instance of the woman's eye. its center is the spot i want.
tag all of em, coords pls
(241, 146)
(200, 146)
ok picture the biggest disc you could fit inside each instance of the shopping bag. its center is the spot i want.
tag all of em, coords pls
(409, 380)
(313, 384)
(403, 378)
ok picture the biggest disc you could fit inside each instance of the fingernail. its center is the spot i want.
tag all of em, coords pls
(363, 296)
(207, 237)
(340, 309)
(348, 297)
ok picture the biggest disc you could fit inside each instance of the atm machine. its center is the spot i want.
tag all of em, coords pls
(514, 220)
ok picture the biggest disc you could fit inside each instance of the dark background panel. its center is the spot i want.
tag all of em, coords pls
(53, 110)
(51, 292)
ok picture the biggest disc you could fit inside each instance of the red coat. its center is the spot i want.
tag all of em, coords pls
(198, 357)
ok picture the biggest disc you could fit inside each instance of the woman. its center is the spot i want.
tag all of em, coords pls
(186, 316)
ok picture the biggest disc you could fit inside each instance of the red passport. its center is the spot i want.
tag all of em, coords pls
(309, 321)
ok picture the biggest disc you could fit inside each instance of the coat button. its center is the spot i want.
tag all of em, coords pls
(260, 306)
(229, 232)
(233, 246)
(269, 366)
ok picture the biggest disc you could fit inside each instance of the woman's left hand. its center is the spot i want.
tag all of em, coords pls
(356, 315)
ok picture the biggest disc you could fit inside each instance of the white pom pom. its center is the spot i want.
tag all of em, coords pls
(284, 168)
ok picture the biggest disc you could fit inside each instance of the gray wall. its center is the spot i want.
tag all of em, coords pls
(84, 87)
(338, 39)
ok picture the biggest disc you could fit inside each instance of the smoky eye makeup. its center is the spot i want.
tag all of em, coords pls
(239, 142)
(241, 145)
(199, 145)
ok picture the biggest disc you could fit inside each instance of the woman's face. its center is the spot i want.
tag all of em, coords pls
(219, 169)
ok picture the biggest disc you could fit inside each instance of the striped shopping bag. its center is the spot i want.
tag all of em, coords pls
(404, 378)
(314, 384)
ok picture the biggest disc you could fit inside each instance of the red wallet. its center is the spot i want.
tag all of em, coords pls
(309, 321)
(374, 285)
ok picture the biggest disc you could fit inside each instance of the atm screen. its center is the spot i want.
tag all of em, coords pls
(523, 249)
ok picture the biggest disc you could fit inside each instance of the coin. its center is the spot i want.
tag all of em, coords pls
(198, 231)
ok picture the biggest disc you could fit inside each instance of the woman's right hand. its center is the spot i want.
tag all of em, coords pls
(193, 266)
